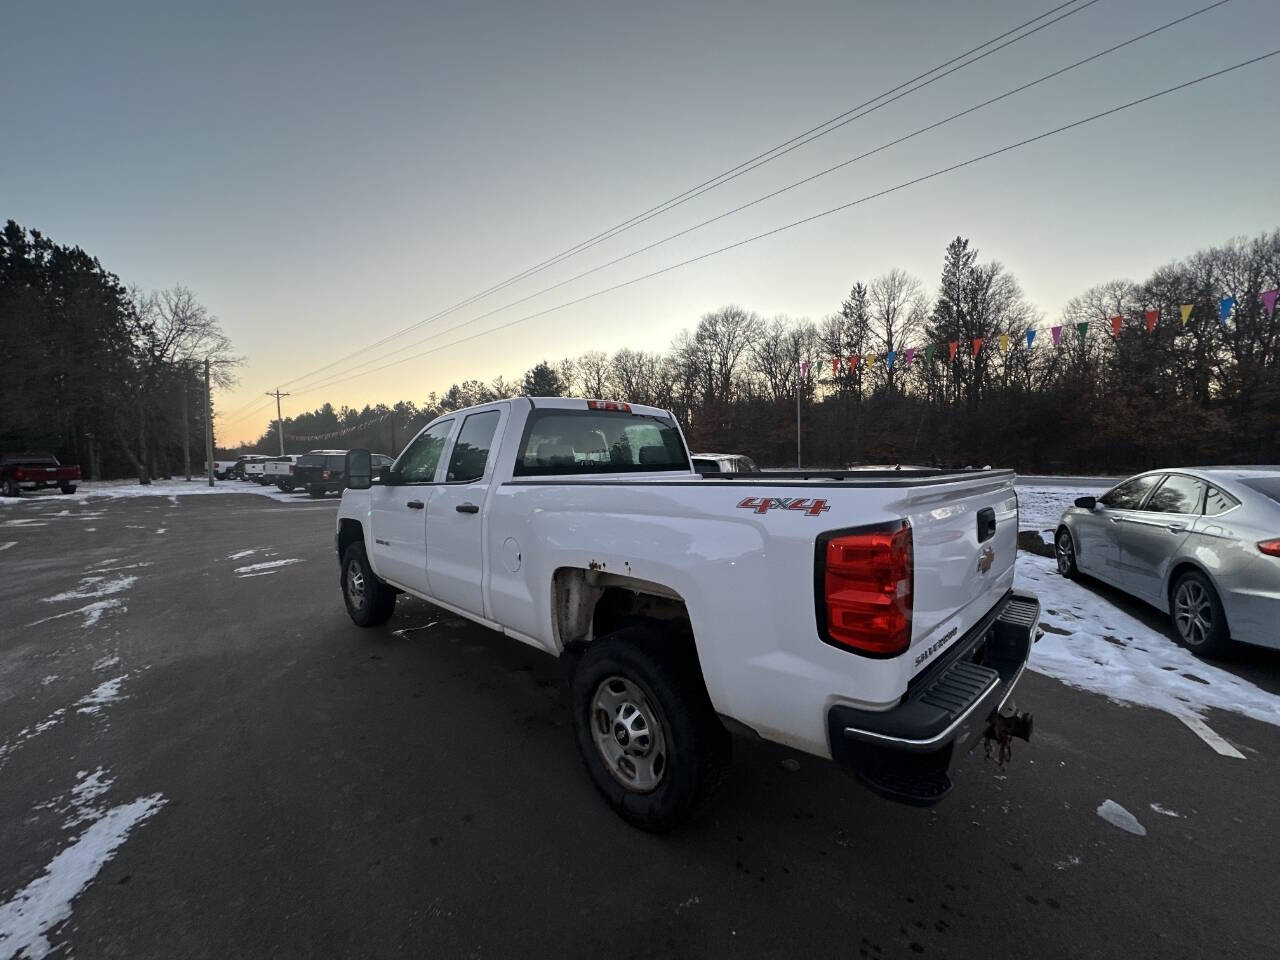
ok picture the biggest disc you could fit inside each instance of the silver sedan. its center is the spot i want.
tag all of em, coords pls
(1201, 544)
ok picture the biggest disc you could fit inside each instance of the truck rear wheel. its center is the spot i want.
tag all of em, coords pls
(648, 734)
(68, 488)
(370, 602)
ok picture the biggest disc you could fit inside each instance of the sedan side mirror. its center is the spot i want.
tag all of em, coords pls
(1087, 503)
(359, 469)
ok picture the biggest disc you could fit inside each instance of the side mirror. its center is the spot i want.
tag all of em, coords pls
(359, 469)
(383, 474)
(1087, 503)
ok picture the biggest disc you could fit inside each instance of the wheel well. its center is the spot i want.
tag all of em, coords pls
(588, 604)
(349, 532)
(1186, 566)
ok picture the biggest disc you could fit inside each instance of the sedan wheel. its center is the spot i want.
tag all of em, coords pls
(1064, 550)
(1198, 616)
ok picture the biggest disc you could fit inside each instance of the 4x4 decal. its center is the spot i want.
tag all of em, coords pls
(810, 508)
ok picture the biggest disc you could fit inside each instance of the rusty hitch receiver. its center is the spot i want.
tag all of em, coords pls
(1002, 726)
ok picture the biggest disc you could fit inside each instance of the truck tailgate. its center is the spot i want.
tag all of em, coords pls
(964, 540)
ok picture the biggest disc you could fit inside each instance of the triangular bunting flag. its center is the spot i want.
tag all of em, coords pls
(1151, 316)
(1083, 327)
(1116, 323)
(1031, 337)
(1057, 334)
(835, 366)
(871, 359)
(804, 369)
(977, 345)
(1268, 298)
(911, 355)
(889, 358)
(853, 362)
(1004, 343)
(1186, 309)
(953, 346)
(928, 353)
(1225, 306)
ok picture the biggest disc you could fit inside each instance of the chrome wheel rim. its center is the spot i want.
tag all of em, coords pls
(1065, 553)
(628, 734)
(355, 585)
(1192, 613)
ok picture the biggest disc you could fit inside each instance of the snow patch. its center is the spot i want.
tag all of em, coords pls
(89, 786)
(46, 901)
(92, 612)
(1165, 811)
(28, 733)
(26, 522)
(7, 544)
(267, 565)
(1091, 645)
(94, 587)
(241, 555)
(102, 695)
(45, 681)
(106, 662)
(1040, 508)
(1118, 816)
(161, 530)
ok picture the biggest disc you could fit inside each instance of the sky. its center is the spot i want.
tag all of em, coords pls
(323, 175)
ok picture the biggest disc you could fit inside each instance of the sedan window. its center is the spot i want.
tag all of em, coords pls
(1128, 496)
(1178, 494)
(1218, 501)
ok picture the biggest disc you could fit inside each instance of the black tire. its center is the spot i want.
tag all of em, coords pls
(370, 602)
(1064, 551)
(68, 488)
(11, 489)
(658, 676)
(1199, 621)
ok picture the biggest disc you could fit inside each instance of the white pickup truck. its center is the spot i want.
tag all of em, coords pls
(865, 616)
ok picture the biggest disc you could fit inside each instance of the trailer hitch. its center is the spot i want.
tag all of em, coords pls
(1002, 726)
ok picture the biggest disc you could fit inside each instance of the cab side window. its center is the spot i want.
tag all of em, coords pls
(471, 449)
(1128, 496)
(418, 463)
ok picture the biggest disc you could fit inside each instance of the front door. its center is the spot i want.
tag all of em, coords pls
(399, 510)
(1150, 537)
(455, 518)
(1098, 549)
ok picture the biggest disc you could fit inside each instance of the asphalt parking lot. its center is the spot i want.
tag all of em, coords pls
(200, 756)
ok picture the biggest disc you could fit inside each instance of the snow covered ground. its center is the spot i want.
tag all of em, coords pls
(1092, 645)
(1041, 506)
(117, 489)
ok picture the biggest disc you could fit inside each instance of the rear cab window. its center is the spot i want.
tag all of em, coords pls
(560, 442)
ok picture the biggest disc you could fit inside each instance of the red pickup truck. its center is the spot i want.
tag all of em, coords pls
(34, 471)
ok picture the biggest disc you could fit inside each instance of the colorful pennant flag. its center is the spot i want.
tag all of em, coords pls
(1152, 316)
(1268, 298)
(1225, 306)
(1057, 334)
(1004, 343)
(1186, 309)
(928, 354)
(889, 358)
(804, 369)
(911, 355)
(853, 362)
(953, 346)
(1031, 337)
(1083, 327)
(1116, 323)
(871, 359)
(835, 366)
(977, 345)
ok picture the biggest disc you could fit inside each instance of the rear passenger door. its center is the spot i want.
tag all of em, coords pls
(1151, 537)
(455, 515)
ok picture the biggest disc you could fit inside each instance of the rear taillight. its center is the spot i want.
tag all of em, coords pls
(614, 405)
(1270, 547)
(19, 473)
(865, 583)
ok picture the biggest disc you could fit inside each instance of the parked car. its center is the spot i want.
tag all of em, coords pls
(279, 470)
(221, 468)
(240, 470)
(1201, 544)
(324, 471)
(723, 463)
(868, 617)
(35, 471)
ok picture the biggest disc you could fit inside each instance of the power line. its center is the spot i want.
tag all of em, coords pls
(828, 212)
(799, 140)
(768, 196)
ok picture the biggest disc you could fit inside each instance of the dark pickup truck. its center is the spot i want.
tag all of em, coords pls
(35, 471)
(324, 471)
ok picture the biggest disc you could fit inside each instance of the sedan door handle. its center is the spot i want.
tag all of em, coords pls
(467, 508)
(1176, 527)
(415, 504)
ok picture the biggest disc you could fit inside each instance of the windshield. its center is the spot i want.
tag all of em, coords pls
(597, 441)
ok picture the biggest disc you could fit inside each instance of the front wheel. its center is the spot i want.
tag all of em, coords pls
(1064, 550)
(1198, 617)
(11, 489)
(646, 729)
(370, 602)
(68, 488)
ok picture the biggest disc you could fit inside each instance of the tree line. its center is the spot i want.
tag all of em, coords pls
(1194, 393)
(99, 374)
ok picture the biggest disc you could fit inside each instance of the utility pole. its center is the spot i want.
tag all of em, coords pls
(208, 422)
(279, 417)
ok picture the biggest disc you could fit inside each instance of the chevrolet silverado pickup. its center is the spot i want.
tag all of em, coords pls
(867, 616)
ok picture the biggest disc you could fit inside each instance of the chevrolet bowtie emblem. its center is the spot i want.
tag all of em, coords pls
(985, 559)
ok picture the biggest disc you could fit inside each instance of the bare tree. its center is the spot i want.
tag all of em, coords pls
(897, 309)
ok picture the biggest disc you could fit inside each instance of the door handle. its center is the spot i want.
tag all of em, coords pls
(1176, 527)
(467, 508)
(415, 504)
